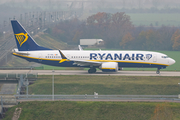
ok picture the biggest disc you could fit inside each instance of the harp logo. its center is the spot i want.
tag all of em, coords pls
(22, 38)
(148, 56)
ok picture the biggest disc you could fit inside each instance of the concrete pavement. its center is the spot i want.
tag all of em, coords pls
(83, 72)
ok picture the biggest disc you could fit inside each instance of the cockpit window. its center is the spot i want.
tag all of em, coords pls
(164, 56)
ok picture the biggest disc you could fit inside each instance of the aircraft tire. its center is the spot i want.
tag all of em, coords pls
(92, 70)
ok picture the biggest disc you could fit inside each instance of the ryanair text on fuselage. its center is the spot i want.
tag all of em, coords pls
(119, 56)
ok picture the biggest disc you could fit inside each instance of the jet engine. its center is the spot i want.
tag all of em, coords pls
(109, 67)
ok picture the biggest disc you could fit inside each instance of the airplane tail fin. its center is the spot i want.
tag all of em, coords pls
(23, 40)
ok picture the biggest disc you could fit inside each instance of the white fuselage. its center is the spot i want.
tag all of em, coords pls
(123, 58)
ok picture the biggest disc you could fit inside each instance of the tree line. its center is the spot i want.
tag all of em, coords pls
(118, 32)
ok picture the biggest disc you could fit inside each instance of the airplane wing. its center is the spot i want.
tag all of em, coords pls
(79, 62)
(86, 63)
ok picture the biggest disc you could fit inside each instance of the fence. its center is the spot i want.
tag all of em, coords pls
(97, 97)
(6, 76)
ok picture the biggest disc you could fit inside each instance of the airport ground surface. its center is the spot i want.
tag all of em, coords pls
(145, 107)
(83, 72)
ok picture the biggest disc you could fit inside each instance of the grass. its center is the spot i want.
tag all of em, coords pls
(157, 19)
(75, 84)
(17, 62)
(47, 67)
(106, 85)
(46, 40)
(67, 110)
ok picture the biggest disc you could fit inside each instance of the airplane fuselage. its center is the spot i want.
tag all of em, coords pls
(139, 59)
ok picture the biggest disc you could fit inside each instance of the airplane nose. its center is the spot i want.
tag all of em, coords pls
(171, 61)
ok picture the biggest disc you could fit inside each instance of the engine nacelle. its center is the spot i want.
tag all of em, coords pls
(109, 67)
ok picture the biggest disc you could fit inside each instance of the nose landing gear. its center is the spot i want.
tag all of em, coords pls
(158, 71)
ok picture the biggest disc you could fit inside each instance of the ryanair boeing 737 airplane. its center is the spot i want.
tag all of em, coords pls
(107, 61)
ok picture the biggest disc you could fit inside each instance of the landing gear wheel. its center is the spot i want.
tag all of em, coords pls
(158, 71)
(92, 70)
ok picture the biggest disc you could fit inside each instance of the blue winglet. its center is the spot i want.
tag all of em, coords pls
(62, 55)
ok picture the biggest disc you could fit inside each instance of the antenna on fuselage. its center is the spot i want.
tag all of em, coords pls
(80, 48)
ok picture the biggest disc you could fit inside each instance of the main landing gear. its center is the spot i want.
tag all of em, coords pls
(158, 71)
(92, 70)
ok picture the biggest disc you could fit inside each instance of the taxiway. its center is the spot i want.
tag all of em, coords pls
(83, 72)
